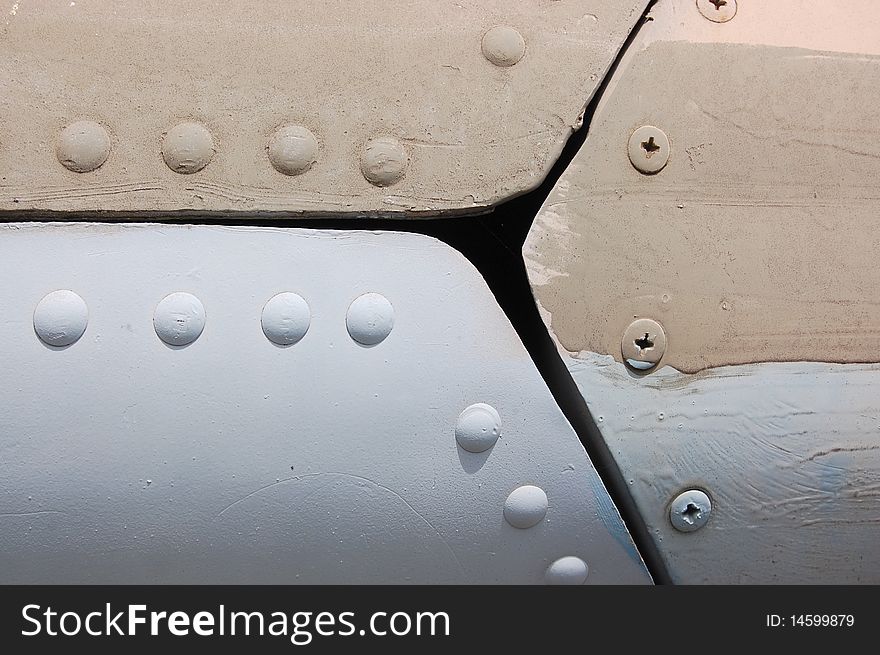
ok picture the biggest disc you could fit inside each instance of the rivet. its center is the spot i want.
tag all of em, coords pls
(478, 428)
(292, 149)
(286, 318)
(383, 160)
(83, 146)
(179, 319)
(718, 11)
(187, 148)
(648, 149)
(503, 46)
(525, 507)
(60, 318)
(690, 510)
(567, 571)
(643, 344)
(370, 319)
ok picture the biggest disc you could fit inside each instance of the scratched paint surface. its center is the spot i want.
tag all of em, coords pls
(232, 459)
(789, 454)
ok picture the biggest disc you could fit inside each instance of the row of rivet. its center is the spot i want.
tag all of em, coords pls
(61, 317)
(477, 430)
(188, 147)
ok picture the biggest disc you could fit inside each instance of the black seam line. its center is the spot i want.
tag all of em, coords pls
(493, 244)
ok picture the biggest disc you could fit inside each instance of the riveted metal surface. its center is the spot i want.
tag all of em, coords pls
(752, 249)
(234, 460)
(479, 99)
(750, 245)
(789, 451)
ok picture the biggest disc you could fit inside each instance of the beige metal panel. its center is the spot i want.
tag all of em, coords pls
(465, 133)
(756, 241)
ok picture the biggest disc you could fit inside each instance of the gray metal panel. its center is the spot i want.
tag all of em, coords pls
(232, 459)
(787, 452)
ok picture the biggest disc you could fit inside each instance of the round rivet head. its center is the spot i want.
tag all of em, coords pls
(643, 344)
(292, 149)
(478, 428)
(503, 46)
(370, 319)
(187, 148)
(83, 146)
(690, 511)
(718, 11)
(567, 571)
(383, 160)
(286, 319)
(179, 319)
(60, 318)
(648, 149)
(525, 507)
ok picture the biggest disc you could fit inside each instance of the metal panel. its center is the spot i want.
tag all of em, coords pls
(788, 453)
(721, 212)
(754, 243)
(129, 458)
(395, 108)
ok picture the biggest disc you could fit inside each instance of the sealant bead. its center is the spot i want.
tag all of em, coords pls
(525, 507)
(370, 319)
(286, 318)
(478, 428)
(567, 571)
(187, 148)
(60, 318)
(179, 319)
(83, 146)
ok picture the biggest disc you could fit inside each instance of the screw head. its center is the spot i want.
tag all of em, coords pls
(690, 510)
(648, 149)
(717, 11)
(643, 344)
